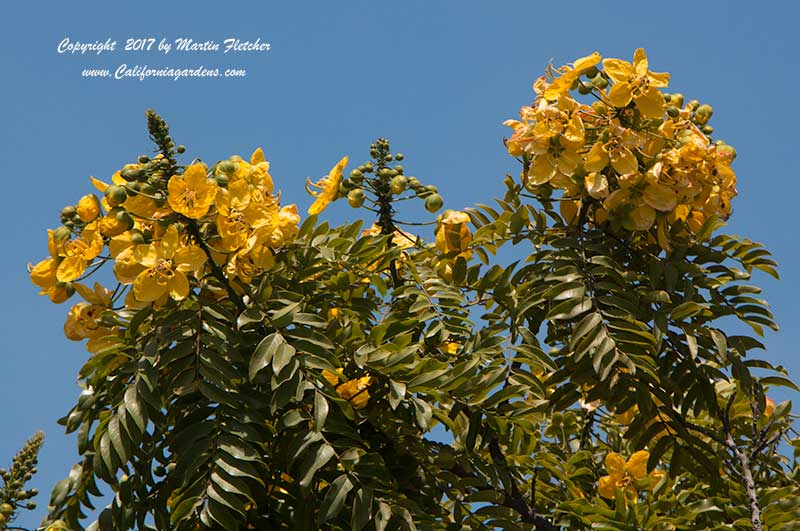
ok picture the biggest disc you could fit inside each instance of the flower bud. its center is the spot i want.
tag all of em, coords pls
(399, 156)
(356, 198)
(703, 114)
(115, 195)
(433, 203)
(399, 184)
(88, 208)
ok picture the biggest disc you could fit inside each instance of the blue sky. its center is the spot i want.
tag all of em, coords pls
(436, 78)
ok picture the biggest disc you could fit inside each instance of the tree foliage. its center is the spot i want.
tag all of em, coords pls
(253, 370)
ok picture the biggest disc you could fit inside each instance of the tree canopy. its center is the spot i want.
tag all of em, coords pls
(252, 368)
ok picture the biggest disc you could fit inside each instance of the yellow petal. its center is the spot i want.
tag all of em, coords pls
(660, 197)
(100, 185)
(189, 258)
(126, 266)
(586, 62)
(615, 464)
(332, 378)
(624, 161)
(640, 218)
(43, 274)
(178, 286)
(637, 464)
(658, 79)
(70, 268)
(620, 94)
(542, 169)
(618, 70)
(147, 289)
(569, 210)
(257, 156)
(606, 487)
(640, 63)
(651, 104)
(597, 158)
(88, 208)
(596, 185)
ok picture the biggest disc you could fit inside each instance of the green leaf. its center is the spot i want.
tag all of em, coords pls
(264, 352)
(686, 309)
(314, 462)
(362, 509)
(283, 354)
(335, 497)
(321, 408)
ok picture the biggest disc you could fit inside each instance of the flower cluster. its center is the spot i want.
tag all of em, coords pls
(637, 158)
(164, 229)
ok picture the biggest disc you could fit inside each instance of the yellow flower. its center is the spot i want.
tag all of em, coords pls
(45, 273)
(569, 75)
(454, 234)
(78, 253)
(238, 211)
(83, 318)
(328, 188)
(192, 193)
(259, 172)
(617, 150)
(88, 208)
(450, 347)
(635, 82)
(556, 136)
(636, 201)
(331, 377)
(166, 263)
(355, 391)
(622, 475)
(251, 260)
(400, 238)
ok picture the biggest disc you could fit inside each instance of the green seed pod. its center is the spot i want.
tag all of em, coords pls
(68, 212)
(728, 151)
(62, 233)
(591, 72)
(433, 203)
(226, 166)
(599, 81)
(130, 174)
(399, 184)
(703, 113)
(356, 197)
(115, 195)
(125, 219)
(600, 108)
